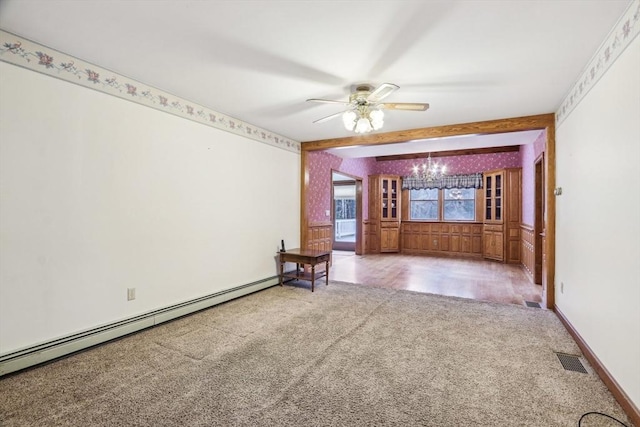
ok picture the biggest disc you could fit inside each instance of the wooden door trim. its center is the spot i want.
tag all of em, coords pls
(538, 219)
(358, 184)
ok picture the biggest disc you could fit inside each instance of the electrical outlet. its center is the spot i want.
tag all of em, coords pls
(131, 294)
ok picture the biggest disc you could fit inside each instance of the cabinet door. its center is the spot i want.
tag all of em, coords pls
(394, 212)
(489, 243)
(499, 246)
(389, 239)
(493, 245)
(394, 240)
(488, 197)
(497, 197)
(493, 197)
(385, 199)
(390, 198)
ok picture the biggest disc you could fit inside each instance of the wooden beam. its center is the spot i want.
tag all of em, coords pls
(515, 124)
(450, 153)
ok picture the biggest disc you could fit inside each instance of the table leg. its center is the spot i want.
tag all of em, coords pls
(327, 270)
(281, 272)
(313, 276)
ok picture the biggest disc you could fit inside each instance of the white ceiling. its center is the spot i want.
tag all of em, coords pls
(259, 60)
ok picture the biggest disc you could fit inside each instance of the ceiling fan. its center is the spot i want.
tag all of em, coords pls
(364, 107)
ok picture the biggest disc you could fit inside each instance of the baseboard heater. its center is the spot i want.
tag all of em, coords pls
(54, 349)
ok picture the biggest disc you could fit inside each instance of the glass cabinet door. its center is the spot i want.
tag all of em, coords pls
(498, 198)
(385, 199)
(488, 205)
(394, 199)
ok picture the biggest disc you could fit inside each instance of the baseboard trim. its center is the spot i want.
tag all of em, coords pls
(64, 346)
(618, 393)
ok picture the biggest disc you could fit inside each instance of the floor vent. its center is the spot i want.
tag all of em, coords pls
(571, 363)
(532, 304)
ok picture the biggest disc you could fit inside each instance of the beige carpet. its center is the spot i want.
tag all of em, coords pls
(345, 355)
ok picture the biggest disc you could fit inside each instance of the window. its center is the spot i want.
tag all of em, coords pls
(345, 208)
(459, 204)
(424, 204)
(432, 204)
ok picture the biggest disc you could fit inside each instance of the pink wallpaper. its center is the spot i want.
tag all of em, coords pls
(529, 153)
(455, 165)
(320, 165)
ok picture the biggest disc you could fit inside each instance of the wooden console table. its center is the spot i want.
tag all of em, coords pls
(302, 257)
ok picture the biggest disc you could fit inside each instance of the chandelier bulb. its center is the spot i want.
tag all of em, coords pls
(429, 171)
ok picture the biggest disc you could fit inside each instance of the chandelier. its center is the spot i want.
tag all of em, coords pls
(363, 119)
(429, 170)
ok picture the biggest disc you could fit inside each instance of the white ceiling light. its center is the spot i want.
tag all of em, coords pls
(363, 119)
(365, 107)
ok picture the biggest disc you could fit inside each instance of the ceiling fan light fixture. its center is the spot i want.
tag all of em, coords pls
(364, 108)
(377, 119)
(363, 125)
(349, 119)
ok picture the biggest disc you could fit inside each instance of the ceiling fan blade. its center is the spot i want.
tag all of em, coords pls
(382, 91)
(328, 101)
(407, 106)
(332, 116)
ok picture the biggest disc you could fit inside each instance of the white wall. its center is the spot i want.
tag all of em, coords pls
(98, 194)
(598, 219)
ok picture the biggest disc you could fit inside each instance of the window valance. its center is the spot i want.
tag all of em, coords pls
(473, 180)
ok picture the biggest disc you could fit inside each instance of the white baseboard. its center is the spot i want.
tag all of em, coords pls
(41, 353)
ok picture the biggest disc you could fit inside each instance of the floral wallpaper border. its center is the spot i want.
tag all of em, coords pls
(625, 30)
(33, 56)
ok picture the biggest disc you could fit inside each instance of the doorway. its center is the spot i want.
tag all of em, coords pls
(345, 211)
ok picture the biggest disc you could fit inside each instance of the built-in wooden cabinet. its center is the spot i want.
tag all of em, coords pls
(443, 238)
(389, 238)
(384, 214)
(371, 237)
(502, 214)
(493, 237)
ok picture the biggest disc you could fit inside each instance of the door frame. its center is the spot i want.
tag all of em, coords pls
(358, 183)
(538, 228)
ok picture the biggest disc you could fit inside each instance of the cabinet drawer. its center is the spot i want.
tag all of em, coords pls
(389, 224)
(491, 227)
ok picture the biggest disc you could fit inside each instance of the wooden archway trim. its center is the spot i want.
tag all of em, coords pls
(515, 124)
